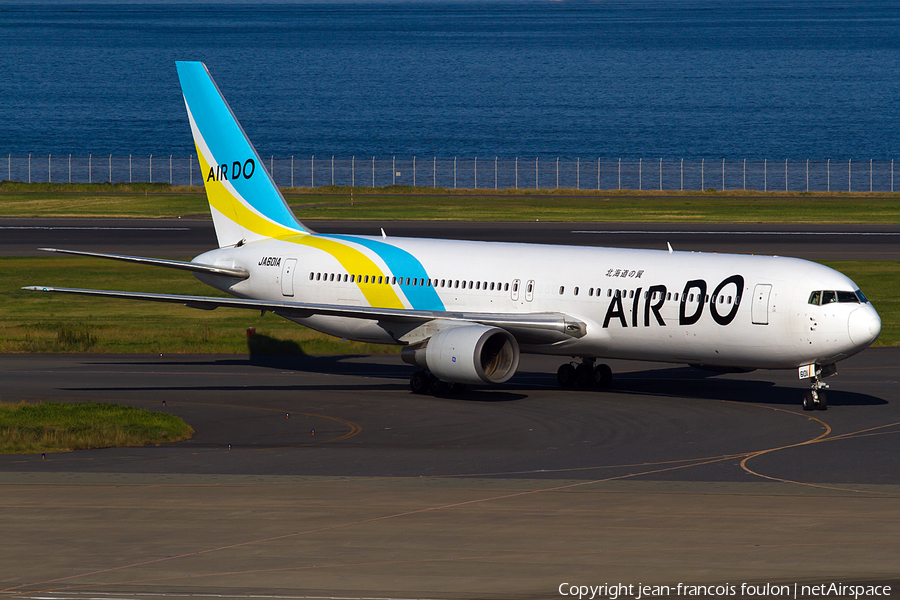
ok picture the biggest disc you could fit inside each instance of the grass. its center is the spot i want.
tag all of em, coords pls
(408, 203)
(62, 427)
(34, 322)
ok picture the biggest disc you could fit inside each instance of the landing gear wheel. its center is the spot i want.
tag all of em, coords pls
(809, 402)
(602, 376)
(419, 381)
(436, 386)
(565, 375)
(822, 404)
(584, 375)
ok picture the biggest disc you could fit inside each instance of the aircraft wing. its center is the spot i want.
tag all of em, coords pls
(546, 327)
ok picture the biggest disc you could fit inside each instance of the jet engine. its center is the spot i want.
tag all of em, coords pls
(473, 354)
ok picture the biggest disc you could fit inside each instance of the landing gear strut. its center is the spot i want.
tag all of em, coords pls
(815, 398)
(584, 375)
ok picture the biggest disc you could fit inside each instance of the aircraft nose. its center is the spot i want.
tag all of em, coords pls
(864, 325)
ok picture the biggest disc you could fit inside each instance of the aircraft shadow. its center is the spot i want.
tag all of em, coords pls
(684, 381)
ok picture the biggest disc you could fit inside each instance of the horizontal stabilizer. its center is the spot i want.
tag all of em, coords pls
(161, 262)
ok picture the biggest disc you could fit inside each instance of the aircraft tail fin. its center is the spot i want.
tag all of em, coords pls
(245, 203)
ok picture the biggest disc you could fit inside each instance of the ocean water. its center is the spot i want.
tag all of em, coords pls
(712, 79)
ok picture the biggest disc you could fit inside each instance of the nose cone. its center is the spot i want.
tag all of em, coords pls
(864, 325)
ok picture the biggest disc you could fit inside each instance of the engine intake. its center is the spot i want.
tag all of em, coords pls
(472, 354)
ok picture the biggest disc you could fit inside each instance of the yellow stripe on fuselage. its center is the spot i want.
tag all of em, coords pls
(352, 260)
(380, 295)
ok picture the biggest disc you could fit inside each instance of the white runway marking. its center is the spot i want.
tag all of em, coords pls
(862, 233)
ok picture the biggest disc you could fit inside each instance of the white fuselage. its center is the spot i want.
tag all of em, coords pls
(717, 310)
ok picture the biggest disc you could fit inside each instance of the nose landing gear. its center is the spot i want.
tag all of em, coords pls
(584, 375)
(815, 398)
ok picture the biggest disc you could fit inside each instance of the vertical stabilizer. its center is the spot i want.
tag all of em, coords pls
(245, 203)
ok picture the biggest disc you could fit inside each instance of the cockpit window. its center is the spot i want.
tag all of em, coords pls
(829, 296)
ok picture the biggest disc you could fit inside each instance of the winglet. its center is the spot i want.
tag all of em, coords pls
(245, 203)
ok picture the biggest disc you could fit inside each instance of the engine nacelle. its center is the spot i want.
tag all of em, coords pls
(473, 354)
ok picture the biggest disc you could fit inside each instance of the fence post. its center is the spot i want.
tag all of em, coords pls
(151, 168)
(332, 169)
(892, 175)
(434, 172)
(49, 169)
(352, 171)
(765, 174)
(660, 173)
(785, 175)
(517, 172)
(723, 174)
(454, 172)
(641, 174)
(312, 171)
(578, 173)
(828, 167)
(170, 169)
(536, 184)
(292, 170)
(393, 170)
(476, 172)
(682, 174)
(70, 168)
(190, 169)
(414, 171)
(745, 174)
(29, 168)
(870, 174)
(373, 171)
(130, 179)
(557, 172)
(90, 168)
(495, 173)
(272, 166)
(849, 175)
(702, 174)
(598, 173)
(620, 174)
(9, 167)
(807, 175)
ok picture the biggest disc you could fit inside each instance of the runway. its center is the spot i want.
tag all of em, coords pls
(671, 476)
(315, 477)
(181, 238)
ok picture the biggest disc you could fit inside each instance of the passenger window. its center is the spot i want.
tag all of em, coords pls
(312, 275)
(575, 291)
(505, 287)
(562, 289)
(828, 297)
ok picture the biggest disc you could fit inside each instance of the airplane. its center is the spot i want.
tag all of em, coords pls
(464, 311)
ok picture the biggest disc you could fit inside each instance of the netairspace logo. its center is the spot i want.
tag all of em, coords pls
(744, 590)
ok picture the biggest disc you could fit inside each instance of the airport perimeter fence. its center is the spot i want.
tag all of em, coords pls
(476, 173)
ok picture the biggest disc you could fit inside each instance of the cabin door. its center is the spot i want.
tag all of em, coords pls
(759, 310)
(287, 277)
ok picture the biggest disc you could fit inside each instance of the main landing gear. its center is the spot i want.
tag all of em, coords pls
(815, 398)
(422, 382)
(584, 375)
